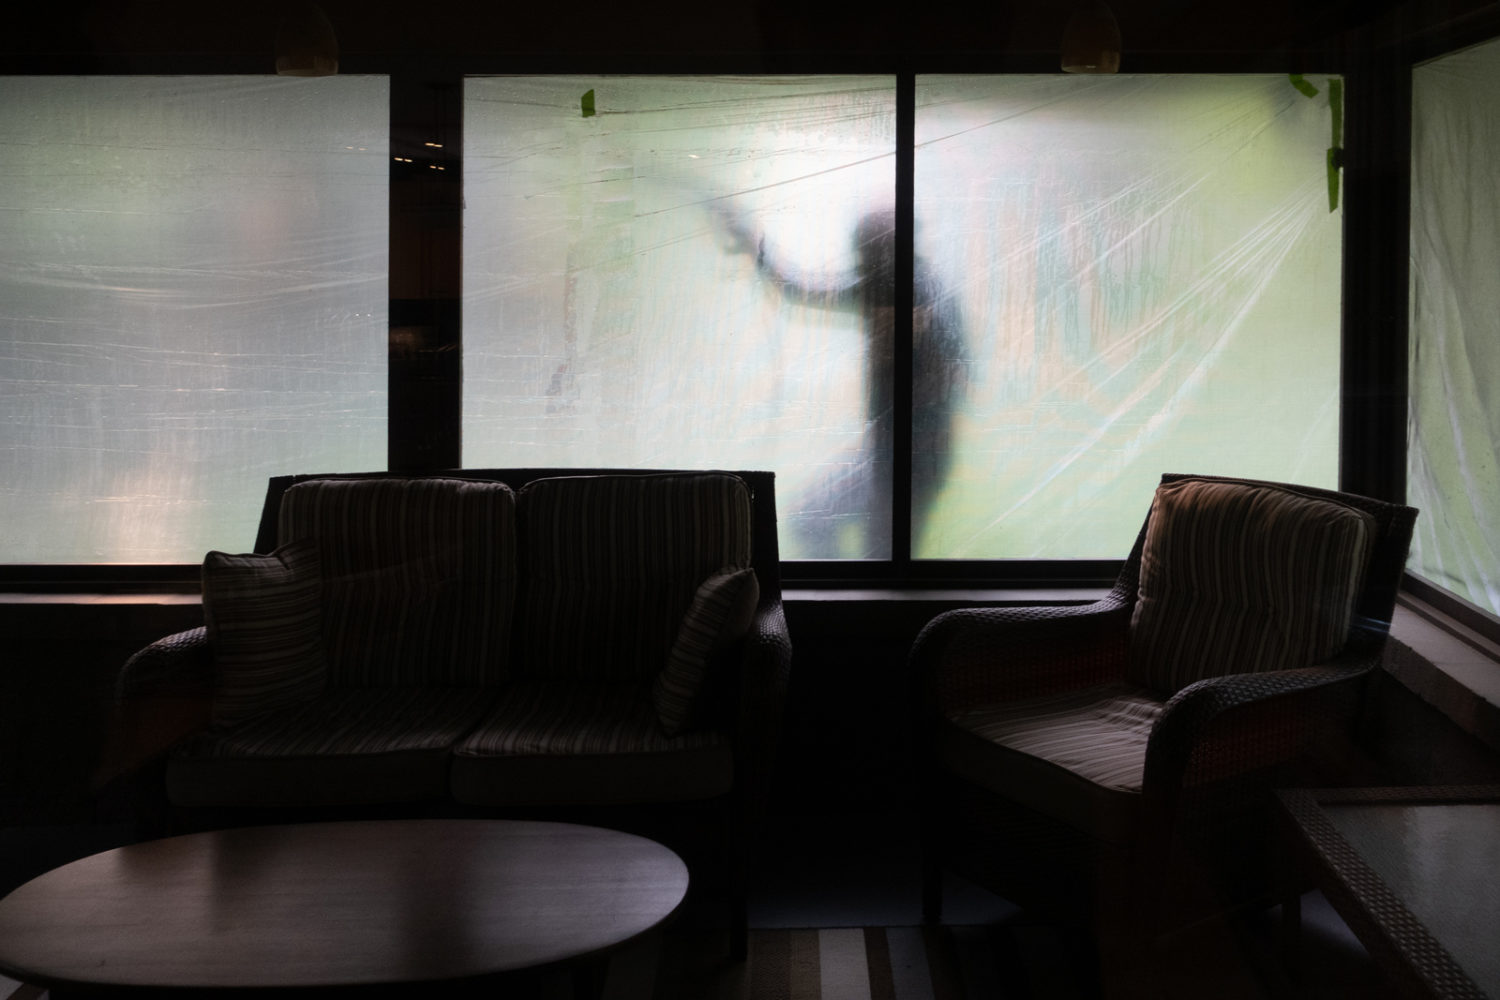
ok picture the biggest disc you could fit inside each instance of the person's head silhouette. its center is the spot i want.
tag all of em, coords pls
(875, 243)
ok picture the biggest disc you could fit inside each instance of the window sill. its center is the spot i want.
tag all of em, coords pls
(1450, 667)
(941, 597)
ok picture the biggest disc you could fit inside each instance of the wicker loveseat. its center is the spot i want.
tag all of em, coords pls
(486, 639)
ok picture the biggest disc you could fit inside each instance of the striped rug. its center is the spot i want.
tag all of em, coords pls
(885, 963)
(858, 963)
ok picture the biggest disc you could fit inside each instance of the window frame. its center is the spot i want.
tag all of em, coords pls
(1404, 56)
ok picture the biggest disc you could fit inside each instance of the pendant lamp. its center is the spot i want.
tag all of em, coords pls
(1091, 41)
(305, 43)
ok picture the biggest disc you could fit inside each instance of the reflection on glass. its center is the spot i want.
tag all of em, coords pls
(1452, 474)
(690, 277)
(1148, 276)
(192, 299)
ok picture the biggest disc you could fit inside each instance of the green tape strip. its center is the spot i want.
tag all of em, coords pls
(1335, 157)
(587, 104)
(1300, 82)
(1335, 151)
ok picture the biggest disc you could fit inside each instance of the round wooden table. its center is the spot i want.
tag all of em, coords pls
(403, 903)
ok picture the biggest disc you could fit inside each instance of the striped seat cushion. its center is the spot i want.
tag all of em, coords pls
(1240, 578)
(418, 577)
(610, 565)
(1095, 739)
(346, 746)
(551, 742)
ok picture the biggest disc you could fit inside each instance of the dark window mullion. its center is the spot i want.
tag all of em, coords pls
(425, 411)
(1377, 181)
(901, 466)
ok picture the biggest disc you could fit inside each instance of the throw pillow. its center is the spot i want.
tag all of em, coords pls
(263, 615)
(720, 613)
(1242, 578)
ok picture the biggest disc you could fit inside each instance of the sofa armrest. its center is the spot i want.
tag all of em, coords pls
(1219, 749)
(762, 675)
(977, 656)
(163, 694)
(179, 664)
(1219, 728)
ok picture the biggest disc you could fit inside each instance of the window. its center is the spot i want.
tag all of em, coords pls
(1453, 475)
(1113, 277)
(687, 277)
(192, 298)
(1147, 274)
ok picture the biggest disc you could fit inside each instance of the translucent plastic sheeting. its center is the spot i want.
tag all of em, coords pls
(1149, 279)
(1115, 277)
(1453, 475)
(686, 277)
(192, 298)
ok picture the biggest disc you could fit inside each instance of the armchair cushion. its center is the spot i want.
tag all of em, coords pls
(1242, 578)
(263, 616)
(1078, 757)
(720, 614)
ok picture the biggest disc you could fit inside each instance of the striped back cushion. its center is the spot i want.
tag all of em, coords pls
(609, 565)
(1241, 578)
(418, 577)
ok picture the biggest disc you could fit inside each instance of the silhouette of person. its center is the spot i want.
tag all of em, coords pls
(862, 493)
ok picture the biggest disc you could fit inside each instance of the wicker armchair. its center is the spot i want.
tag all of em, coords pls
(1110, 765)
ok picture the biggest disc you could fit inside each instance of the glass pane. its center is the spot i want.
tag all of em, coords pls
(192, 299)
(687, 273)
(1452, 474)
(1146, 275)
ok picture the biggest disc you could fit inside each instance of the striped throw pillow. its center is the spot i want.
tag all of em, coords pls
(1240, 578)
(720, 613)
(263, 615)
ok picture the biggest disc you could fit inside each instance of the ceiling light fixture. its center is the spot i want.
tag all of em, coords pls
(305, 43)
(1091, 41)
